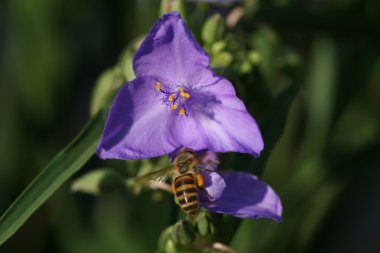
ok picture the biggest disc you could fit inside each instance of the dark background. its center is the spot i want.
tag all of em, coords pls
(325, 166)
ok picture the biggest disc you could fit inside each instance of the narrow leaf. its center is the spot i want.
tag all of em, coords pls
(64, 165)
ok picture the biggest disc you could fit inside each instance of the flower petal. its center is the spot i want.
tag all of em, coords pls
(245, 196)
(209, 160)
(214, 185)
(170, 53)
(220, 121)
(138, 124)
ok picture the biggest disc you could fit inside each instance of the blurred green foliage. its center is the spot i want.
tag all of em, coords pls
(309, 71)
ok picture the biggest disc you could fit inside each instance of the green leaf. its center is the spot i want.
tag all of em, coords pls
(98, 181)
(63, 166)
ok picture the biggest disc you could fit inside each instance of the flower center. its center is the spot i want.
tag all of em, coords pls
(175, 99)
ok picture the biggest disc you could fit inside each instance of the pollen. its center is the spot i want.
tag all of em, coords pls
(182, 111)
(158, 86)
(183, 93)
(175, 107)
(171, 98)
(200, 180)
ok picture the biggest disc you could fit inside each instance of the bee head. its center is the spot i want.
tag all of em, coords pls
(183, 167)
(185, 159)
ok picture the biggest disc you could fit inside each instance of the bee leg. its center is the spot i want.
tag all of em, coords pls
(204, 169)
(173, 188)
(201, 184)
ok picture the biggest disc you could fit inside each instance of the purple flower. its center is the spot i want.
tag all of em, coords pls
(176, 101)
(238, 194)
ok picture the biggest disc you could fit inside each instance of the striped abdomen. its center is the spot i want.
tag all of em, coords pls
(186, 191)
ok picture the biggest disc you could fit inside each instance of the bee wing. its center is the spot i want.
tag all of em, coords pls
(155, 177)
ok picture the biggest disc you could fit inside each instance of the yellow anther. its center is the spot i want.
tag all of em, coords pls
(158, 86)
(183, 93)
(174, 107)
(171, 98)
(182, 111)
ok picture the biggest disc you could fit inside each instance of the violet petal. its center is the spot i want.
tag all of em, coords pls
(245, 196)
(214, 185)
(209, 160)
(220, 122)
(170, 52)
(138, 124)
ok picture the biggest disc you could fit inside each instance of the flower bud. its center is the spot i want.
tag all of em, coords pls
(213, 29)
(165, 242)
(254, 56)
(125, 61)
(172, 5)
(183, 233)
(222, 60)
(105, 89)
(204, 225)
(218, 47)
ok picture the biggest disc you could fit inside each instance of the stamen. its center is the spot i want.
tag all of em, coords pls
(158, 86)
(175, 107)
(183, 93)
(171, 98)
(182, 111)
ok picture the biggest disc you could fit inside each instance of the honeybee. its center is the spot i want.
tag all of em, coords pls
(186, 180)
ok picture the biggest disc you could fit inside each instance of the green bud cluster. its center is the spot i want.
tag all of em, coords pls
(186, 233)
(204, 225)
